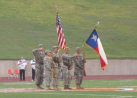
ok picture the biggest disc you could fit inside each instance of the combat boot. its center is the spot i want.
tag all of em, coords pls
(68, 87)
(48, 88)
(78, 86)
(81, 87)
(57, 87)
(38, 87)
(54, 87)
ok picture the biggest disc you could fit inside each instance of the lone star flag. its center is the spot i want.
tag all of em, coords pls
(61, 37)
(94, 43)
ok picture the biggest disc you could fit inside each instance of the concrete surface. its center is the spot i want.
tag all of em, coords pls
(115, 67)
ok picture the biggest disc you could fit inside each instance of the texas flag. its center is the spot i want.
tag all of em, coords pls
(94, 43)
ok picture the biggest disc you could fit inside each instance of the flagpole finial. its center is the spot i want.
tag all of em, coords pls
(57, 8)
(96, 24)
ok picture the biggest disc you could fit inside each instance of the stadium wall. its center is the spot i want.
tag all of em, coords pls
(115, 67)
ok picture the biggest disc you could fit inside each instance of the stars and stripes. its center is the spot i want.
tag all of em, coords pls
(94, 43)
(61, 37)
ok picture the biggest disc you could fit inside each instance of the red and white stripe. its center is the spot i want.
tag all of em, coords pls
(103, 59)
(61, 37)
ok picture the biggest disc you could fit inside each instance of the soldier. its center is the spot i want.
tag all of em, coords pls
(57, 67)
(66, 67)
(39, 68)
(79, 68)
(47, 69)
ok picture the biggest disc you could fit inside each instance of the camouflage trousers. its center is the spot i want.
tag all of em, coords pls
(66, 75)
(78, 73)
(56, 80)
(39, 70)
(48, 77)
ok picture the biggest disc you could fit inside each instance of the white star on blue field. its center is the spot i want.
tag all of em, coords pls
(94, 37)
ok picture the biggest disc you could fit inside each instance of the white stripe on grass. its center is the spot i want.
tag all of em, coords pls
(86, 95)
(15, 83)
(115, 80)
(128, 86)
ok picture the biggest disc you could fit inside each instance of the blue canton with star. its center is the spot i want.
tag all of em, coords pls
(92, 40)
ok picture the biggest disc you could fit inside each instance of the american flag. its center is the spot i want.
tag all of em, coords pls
(61, 37)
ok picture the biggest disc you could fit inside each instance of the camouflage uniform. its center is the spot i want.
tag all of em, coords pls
(67, 62)
(47, 71)
(39, 56)
(78, 70)
(57, 70)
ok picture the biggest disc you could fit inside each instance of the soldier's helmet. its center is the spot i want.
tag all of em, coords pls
(78, 48)
(67, 48)
(40, 46)
(47, 51)
(55, 47)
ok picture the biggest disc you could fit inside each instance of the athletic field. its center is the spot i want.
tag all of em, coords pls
(121, 88)
(26, 23)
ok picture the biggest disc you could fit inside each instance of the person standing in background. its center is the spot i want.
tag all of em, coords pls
(22, 67)
(32, 63)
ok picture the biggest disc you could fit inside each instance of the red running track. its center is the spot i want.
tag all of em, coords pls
(94, 77)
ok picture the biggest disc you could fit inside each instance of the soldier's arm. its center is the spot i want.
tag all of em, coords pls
(34, 51)
(62, 57)
(78, 64)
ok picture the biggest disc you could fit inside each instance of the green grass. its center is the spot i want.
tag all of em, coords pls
(75, 94)
(86, 84)
(26, 23)
(56, 94)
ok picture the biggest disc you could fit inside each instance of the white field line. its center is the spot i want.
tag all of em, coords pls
(85, 95)
(115, 80)
(19, 83)
(128, 86)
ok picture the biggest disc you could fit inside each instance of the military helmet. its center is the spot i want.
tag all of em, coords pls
(55, 47)
(67, 48)
(78, 48)
(40, 46)
(47, 51)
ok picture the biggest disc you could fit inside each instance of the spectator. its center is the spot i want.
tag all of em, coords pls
(22, 67)
(32, 63)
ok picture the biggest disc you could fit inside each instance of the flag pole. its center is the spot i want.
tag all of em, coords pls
(82, 48)
(96, 25)
(56, 13)
(58, 45)
(57, 9)
(95, 28)
(79, 52)
(84, 44)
